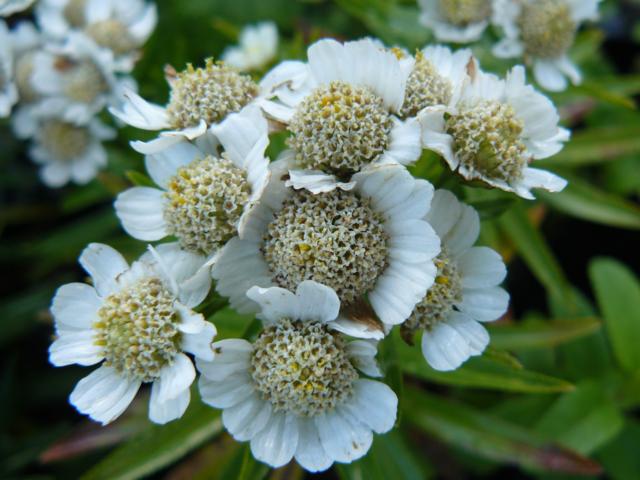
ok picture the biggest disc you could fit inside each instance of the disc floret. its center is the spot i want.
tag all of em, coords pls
(64, 140)
(425, 88)
(465, 12)
(547, 28)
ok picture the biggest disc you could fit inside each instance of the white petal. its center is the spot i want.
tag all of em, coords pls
(275, 303)
(434, 136)
(139, 113)
(484, 304)
(276, 443)
(357, 329)
(199, 344)
(444, 213)
(405, 144)
(175, 378)
(247, 418)
(481, 267)
(549, 76)
(374, 404)
(75, 306)
(464, 233)
(171, 409)
(231, 356)
(310, 454)
(363, 355)
(104, 265)
(343, 437)
(103, 394)
(163, 165)
(316, 181)
(240, 132)
(450, 343)
(141, 211)
(75, 347)
(536, 178)
(317, 302)
(227, 392)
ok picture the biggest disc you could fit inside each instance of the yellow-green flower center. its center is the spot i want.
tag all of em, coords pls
(64, 140)
(463, 12)
(302, 368)
(547, 28)
(112, 34)
(425, 88)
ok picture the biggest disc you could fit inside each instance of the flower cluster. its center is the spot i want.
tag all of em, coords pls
(330, 245)
(62, 71)
(540, 31)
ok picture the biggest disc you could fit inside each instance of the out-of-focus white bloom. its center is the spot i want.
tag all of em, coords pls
(341, 109)
(8, 89)
(465, 291)
(369, 241)
(495, 130)
(543, 31)
(77, 78)
(274, 394)
(68, 151)
(204, 198)
(258, 46)
(459, 21)
(121, 26)
(9, 7)
(437, 77)
(200, 98)
(138, 321)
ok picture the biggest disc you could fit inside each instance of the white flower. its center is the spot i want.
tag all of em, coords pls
(8, 90)
(136, 320)
(543, 31)
(121, 26)
(295, 392)
(78, 77)
(459, 21)
(371, 240)
(200, 98)
(437, 78)
(9, 7)
(495, 130)
(465, 291)
(341, 109)
(258, 46)
(204, 198)
(68, 151)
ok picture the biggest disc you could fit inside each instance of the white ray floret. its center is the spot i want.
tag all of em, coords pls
(458, 21)
(8, 89)
(543, 31)
(9, 7)
(203, 197)
(371, 240)
(296, 391)
(465, 293)
(342, 111)
(257, 47)
(495, 130)
(67, 151)
(121, 26)
(138, 322)
(78, 76)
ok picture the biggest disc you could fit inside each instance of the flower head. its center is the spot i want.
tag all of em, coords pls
(370, 241)
(495, 130)
(8, 89)
(342, 111)
(465, 290)
(459, 21)
(258, 46)
(205, 197)
(543, 31)
(136, 320)
(296, 391)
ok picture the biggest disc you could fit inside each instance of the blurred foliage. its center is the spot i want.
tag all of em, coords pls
(556, 393)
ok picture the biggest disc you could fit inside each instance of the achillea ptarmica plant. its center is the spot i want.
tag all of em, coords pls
(137, 322)
(543, 32)
(296, 391)
(204, 197)
(495, 130)
(458, 21)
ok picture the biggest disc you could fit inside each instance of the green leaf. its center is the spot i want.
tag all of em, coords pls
(478, 372)
(389, 457)
(596, 145)
(620, 457)
(139, 179)
(489, 436)
(533, 248)
(159, 446)
(582, 420)
(618, 294)
(540, 334)
(587, 202)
